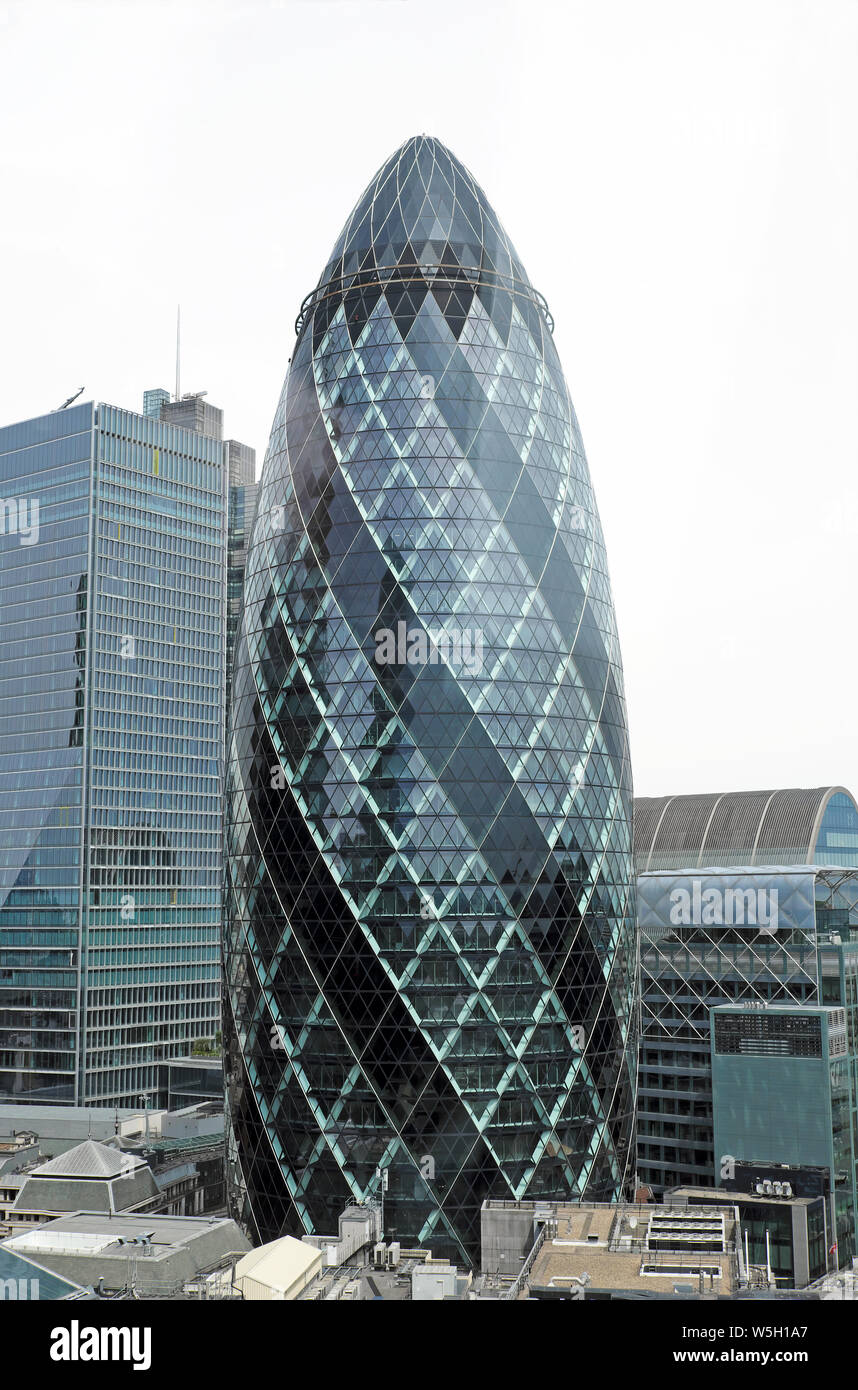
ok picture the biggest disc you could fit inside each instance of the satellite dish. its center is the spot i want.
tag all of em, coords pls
(633, 1223)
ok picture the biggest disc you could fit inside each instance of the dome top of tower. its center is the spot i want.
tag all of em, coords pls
(423, 217)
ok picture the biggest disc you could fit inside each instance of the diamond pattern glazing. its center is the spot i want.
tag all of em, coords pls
(429, 951)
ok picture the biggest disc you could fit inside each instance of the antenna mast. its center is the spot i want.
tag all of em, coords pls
(178, 341)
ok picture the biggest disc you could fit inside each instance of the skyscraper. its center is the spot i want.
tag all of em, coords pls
(241, 463)
(430, 925)
(193, 411)
(112, 669)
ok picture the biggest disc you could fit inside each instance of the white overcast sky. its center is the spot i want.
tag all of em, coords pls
(681, 182)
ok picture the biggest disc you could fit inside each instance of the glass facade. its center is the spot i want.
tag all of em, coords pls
(242, 506)
(781, 1085)
(795, 1243)
(44, 581)
(153, 401)
(690, 966)
(111, 701)
(837, 842)
(430, 930)
(194, 412)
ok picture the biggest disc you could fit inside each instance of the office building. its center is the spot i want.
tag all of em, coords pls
(153, 401)
(112, 671)
(784, 1217)
(555, 1251)
(174, 1165)
(148, 1255)
(782, 1093)
(430, 926)
(193, 412)
(90, 1177)
(241, 461)
(783, 936)
(192, 1081)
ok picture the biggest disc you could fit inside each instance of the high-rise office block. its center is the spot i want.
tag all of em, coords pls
(782, 1091)
(193, 411)
(112, 669)
(153, 401)
(430, 931)
(780, 936)
(242, 508)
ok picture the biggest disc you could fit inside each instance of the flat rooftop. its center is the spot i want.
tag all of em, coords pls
(163, 1230)
(617, 1271)
(609, 1245)
(584, 1224)
(207, 1063)
(85, 1247)
(746, 1198)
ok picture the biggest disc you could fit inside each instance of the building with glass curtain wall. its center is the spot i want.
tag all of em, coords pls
(704, 942)
(242, 506)
(782, 1089)
(430, 929)
(112, 669)
(194, 412)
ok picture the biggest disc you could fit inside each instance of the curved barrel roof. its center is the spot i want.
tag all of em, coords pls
(721, 829)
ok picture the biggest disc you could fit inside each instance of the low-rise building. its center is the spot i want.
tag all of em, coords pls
(151, 1255)
(23, 1280)
(783, 1218)
(356, 1264)
(280, 1270)
(178, 1177)
(599, 1251)
(91, 1177)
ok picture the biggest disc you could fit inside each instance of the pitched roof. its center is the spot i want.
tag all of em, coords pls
(88, 1160)
(279, 1263)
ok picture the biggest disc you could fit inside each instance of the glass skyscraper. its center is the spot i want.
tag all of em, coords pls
(194, 412)
(241, 460)
(112, 674)
(430, 926)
